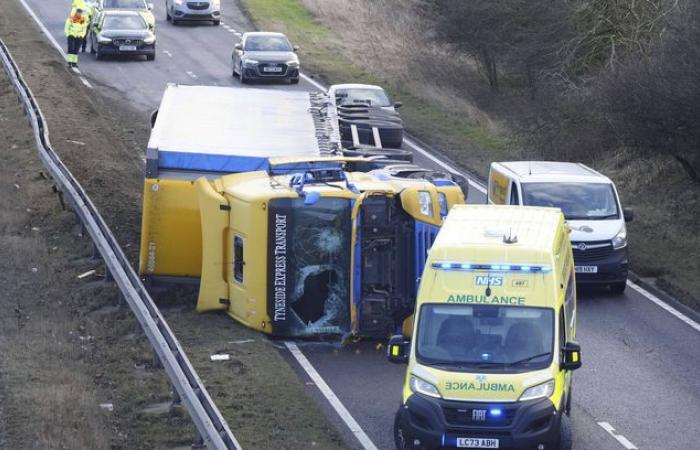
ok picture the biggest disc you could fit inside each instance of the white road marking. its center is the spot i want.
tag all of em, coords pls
(232, 31)
(168, 53)
(344, 414)
(663, 305)
(191, 74)
(237, 33)
(86, 82)
(618, 437)
(43, 29)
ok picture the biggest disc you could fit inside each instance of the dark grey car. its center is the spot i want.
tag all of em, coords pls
(122, 33)
(265, 56)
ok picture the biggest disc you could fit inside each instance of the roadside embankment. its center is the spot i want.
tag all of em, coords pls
(385, 42)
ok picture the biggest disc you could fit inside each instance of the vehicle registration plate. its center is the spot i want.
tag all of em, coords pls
(272, 69)
(477, 443)
(586, 269)
(127, 48)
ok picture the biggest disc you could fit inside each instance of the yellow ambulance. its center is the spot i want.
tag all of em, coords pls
(492, 349)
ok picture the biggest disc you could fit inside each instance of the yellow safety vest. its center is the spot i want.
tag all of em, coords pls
(75, 29)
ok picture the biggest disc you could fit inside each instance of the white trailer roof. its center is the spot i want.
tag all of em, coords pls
(225, 129)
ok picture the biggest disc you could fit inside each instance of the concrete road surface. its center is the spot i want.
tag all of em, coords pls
(639, 385)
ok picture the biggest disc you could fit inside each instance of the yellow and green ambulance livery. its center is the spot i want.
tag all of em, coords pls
(492, 348)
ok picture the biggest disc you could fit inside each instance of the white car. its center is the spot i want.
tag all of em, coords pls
(177, 11)
(361, 94)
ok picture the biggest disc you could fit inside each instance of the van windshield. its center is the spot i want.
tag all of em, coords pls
(489, 337)
(578, 201)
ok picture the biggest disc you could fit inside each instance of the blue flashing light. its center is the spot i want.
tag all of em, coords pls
(496, 412)
(490, 267)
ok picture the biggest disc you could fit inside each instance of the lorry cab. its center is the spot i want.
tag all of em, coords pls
(590, 204)
(492, 349)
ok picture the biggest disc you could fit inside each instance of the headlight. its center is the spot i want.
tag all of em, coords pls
(540, 391)
(293, 63)
(149, 40)
(620, 239)
(250, 62)
(442, 200)
(423, 387)
(426, 203)
(103, 40)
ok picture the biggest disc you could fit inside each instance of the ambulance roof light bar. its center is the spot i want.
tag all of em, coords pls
(469, 267)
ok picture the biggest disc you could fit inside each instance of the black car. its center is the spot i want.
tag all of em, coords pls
(122, 33)
(265, 56)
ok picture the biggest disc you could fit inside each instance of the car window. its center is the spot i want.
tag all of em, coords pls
(372, 97)
(267, 44)
(125, 4)
(115, 22)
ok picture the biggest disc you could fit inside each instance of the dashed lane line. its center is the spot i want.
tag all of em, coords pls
(168, 53)
(335, 402)
(191, 74)
(618, 437)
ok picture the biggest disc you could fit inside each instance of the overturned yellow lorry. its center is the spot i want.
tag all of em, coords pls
(248, 193)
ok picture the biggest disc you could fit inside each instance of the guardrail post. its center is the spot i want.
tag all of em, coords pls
(198, 443)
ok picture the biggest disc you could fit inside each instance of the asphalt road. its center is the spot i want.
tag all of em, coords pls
(640, 362)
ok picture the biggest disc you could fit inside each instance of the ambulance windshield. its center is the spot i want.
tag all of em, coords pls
(489, 337)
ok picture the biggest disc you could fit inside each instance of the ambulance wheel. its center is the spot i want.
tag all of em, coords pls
(618, 288)
(399, 439)
(565, 438)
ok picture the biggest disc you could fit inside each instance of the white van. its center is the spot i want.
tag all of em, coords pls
(590, 204)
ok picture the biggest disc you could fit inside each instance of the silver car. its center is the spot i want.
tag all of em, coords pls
(265, 56)
(178, 11)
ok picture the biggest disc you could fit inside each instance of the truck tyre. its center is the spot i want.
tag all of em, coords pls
(565, 438)
(399, 440)
(618, 288)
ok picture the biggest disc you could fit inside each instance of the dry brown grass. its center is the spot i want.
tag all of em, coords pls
(390, 41)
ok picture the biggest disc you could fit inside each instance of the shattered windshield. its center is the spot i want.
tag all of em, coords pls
(485, 336)
(309, 251)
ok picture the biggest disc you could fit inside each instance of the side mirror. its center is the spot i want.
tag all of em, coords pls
(398, 105)
(628, 213)
(398, 349)
(295, 48)
(571, 356)
(238, 46)
(150, 6)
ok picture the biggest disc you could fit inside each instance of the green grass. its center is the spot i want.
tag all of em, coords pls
(322, 54)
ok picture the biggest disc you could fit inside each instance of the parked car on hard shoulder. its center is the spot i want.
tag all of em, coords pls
(140, 6)
(177, 11)
(122, 33)
(265, 56)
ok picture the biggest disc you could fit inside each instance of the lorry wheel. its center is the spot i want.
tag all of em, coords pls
(399, 440)
(618, 288)
(565, 438)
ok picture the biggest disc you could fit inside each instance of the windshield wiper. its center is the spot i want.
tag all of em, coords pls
(528, 359)
(609, 216)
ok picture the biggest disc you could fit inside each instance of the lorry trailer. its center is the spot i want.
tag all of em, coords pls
(247, 192)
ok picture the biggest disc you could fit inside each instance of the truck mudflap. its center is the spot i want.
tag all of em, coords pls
(214, 214)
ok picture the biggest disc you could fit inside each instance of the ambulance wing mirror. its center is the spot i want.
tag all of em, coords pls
(571, 356)
(398, 349)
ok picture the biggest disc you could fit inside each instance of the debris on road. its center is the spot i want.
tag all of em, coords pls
(87, 274)
(220, 357)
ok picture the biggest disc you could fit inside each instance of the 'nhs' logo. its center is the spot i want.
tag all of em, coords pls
(489, 281)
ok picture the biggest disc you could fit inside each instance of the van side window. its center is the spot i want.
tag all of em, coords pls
(514, 197)
(238, 259)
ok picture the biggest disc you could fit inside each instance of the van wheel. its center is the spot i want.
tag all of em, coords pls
(565, 438)
(399, 439)
(618, 288)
